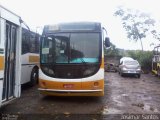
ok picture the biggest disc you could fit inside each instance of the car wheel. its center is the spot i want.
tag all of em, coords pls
(121, 74)
(138, 75)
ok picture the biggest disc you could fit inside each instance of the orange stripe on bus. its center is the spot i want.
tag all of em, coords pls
(1, 62)
(89, 85)
(77, 86)
(58, 85)
(102, 63)
(99, 84)
(33, 58)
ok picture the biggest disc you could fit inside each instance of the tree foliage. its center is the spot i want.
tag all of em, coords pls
(111, 51)
(156, 34)
(135, 22)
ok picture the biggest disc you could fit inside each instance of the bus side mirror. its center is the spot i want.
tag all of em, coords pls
(107, 42)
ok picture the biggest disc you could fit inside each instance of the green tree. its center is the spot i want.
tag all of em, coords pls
(156, 34)
(111, 51)
(136, 23)
(144, 58)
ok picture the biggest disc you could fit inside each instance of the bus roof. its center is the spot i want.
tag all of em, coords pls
(1, 7)
(9, 15)
(72, 26)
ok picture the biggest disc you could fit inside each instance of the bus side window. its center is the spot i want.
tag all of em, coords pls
(37, 41)
(32, 43)
(25, 41)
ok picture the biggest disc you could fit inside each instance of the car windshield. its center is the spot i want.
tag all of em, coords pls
(71, 48)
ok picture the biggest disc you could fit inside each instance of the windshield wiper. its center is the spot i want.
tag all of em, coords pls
(83, 61)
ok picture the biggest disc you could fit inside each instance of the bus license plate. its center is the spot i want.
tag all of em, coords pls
(68, 86)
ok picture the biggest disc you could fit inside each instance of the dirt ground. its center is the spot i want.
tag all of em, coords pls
(123, 95)
(129, 94)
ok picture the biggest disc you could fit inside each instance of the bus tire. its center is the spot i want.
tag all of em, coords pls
(34, 77)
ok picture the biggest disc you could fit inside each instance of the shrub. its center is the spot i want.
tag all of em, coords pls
(144, 58)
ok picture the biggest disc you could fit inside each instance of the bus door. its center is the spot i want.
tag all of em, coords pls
(10, 53)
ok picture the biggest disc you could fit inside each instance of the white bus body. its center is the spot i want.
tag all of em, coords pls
(10, 56)
(30, 57)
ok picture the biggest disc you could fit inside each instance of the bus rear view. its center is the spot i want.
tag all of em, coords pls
(71, 60)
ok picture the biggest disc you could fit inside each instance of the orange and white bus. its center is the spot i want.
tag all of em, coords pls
(72, 59)
(30, 56)
(19, 55)
(10, 55)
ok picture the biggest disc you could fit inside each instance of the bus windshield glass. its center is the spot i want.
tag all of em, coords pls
(68, 48)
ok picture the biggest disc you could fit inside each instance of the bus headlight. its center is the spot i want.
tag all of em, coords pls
(48, 70)
(89, 71)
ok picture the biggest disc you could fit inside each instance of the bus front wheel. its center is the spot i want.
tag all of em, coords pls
(34, 77)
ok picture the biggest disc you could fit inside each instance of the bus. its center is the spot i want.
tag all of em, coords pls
(19, 55)
(156, 61)
(10, 55)
(30, 56)
(72, 59)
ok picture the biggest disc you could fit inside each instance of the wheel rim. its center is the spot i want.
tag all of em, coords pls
(35, 76)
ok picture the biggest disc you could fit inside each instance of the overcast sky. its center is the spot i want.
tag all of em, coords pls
(37, 13)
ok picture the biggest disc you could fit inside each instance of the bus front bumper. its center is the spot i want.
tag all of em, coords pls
(56, 92)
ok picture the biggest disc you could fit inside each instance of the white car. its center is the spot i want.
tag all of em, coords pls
(129, 66)
(125, 58)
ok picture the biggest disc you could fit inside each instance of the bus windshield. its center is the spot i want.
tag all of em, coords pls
(68, 48)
